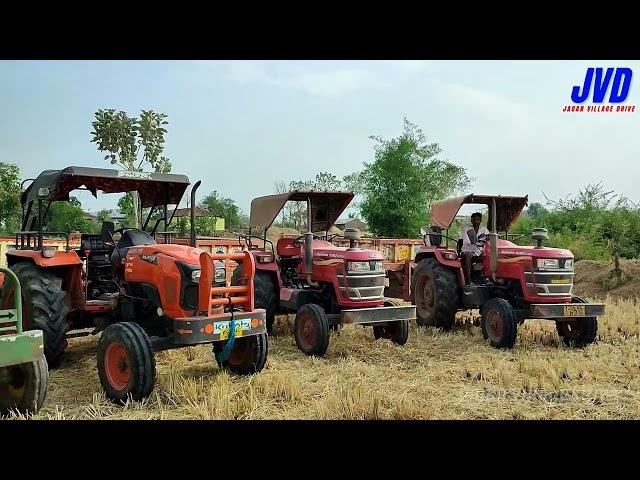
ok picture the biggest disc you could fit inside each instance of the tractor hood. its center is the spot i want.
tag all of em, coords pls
(181, 253)
(509, 249)
(325, 250)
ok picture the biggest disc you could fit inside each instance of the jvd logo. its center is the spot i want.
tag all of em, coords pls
(601, 80)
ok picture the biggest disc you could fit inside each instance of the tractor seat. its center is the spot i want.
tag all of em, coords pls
(285, 248)
(131, 237)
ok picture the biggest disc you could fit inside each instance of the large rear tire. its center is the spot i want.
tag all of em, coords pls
(43, 307)
(265, 293)
(435, 293)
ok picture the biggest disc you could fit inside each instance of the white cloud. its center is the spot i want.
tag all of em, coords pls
(412, 66)
(332, 83)
(329, 83)
(483, 101)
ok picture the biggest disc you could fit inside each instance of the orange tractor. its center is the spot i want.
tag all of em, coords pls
(143, 296)
(509, 283)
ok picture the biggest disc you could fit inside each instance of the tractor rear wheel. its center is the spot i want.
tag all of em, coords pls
(23, 387)
(579, 332)
(265, 293)
(398, 331)
(249, 354)
(43, 307)
(311, 330)
(126, 365)
(499, 325)
(435, 293)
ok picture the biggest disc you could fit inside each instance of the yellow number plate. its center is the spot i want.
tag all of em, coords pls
(560, 280)
(574, 311)
(222, 328)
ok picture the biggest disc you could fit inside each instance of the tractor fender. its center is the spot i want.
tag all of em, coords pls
(60, 259)
(438, 254)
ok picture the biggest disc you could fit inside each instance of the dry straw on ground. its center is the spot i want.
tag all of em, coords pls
(437, 375)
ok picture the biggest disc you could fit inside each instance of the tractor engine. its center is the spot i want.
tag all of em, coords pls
(543, 274)
(161, 281)
(355, 278)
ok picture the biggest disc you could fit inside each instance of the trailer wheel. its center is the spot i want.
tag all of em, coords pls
(23, 387)
(579, 332)
(398, 331)
(499, 325)
(311, 330)
(126, 365)
(249, 354)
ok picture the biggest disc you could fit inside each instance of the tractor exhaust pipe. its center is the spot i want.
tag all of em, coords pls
(308, 247)
(193, 213)
(494, 241)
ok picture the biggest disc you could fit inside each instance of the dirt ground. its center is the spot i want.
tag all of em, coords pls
(592, 277)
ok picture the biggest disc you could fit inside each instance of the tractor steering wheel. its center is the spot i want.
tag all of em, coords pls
(298, 241)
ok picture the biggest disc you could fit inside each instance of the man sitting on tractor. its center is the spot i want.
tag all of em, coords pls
(472, 242)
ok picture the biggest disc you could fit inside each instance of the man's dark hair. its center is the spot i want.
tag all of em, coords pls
(477, 214)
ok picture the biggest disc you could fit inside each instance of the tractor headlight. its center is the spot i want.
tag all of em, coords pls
(568, 263)
(378, 265)
(548, 263)
(221, 275)
(358, 266)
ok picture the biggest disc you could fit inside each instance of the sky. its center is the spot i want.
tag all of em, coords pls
(241, 126)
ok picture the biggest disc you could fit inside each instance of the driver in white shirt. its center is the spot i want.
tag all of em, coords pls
(470, 243)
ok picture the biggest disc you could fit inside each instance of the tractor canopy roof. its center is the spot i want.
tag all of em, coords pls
(153, 188)
(508, 209)
(326, 207)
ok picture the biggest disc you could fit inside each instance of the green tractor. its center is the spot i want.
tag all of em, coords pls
(24, 373)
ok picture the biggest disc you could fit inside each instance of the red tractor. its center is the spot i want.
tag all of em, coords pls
(511, 283)
(324, 284)
(143, 296)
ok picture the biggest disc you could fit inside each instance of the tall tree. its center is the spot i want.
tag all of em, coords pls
(219, 206)
(9, 198)
(402, 181)
(132, 143)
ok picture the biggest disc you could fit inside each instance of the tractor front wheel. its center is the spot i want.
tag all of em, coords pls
(126, 365)
(249, 354)
(23, 387)
(311, 330)
(499, 325)
(579, 332)
(265, 292)
(398, 331)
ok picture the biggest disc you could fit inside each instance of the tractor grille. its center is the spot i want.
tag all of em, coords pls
(365, 286)
(558, 283)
